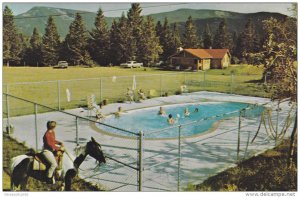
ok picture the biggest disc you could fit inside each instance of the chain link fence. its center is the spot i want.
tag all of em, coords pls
(123, 155)
(139, 162)
(69, 94)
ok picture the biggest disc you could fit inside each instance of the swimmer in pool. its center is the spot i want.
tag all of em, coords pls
(196, 110)
(161, 112)
(119, 112)
(186, 112)
(171, 119)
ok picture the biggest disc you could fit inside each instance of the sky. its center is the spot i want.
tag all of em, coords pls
(115, 9)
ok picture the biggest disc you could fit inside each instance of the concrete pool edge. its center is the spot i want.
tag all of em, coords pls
(205, 157)
(101, 128)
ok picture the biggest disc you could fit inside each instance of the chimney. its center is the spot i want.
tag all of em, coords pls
(179, 49)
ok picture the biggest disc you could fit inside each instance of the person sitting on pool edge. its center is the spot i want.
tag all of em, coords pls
(161, 111)
(186, 112)
(118, 113)
(171, 119)
(99, 115)
(141, 94)
(130, 95)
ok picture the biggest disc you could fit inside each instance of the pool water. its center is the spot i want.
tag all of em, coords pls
(149, 121)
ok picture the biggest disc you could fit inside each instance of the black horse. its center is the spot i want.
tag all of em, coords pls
(22, 167)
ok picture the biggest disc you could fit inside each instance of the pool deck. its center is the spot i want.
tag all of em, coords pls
(201, 156)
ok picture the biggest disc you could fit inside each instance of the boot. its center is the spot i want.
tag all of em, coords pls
(50, 180)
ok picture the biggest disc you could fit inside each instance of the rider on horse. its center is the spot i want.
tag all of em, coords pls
(52, 147)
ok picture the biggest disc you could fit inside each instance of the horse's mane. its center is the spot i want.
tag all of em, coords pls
(79, 150)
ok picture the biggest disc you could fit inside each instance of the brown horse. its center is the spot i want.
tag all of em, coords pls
(22, 167)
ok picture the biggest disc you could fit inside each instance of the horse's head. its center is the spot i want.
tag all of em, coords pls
(94, 149)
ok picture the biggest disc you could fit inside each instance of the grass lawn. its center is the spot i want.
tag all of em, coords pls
(99, 81)
(265, 172)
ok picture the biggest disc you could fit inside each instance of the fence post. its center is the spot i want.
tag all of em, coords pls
(239, 137)
(161, 85)
(36, 127)
(6, 88)
(277, 120)
(141, 161)
(7, 111)
(58, 94)
(100, 89)
(231, 83)
(77, 138)
(179, 158)
(204, 80)
(247, 145)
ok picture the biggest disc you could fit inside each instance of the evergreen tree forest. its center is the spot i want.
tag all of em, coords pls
(130, 37)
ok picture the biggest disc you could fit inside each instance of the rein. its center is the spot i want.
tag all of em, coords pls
(71, 159)
(74, 160)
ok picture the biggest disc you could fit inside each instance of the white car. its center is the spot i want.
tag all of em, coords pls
(159, 63)
(131, 64)
(61, 64)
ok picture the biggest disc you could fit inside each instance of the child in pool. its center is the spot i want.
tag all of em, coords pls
(186, 112)
(118, 113)
(171, 119)
(161, 112)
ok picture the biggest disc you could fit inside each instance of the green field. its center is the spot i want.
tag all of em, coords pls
(48, 86)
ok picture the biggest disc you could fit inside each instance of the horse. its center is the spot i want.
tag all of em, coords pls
(22, 167)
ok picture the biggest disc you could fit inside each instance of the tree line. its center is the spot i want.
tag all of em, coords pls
(131, 37)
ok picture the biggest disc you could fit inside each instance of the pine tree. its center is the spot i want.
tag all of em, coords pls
(175, 39)
(50, 43)
(135, 21)
(23, 47)
(190, 37)
(164, 35)
(115, 56)
(207, 38)
(120, 41)
(99, 41)
(248, 41)
(158, 29)
(11, 39)
(33, 55)
(77, 41)
(222, 39)
(149, 43)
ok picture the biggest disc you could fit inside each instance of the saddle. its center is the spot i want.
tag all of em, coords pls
(40, 163)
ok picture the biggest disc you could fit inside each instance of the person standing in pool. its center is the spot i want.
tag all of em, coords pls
(161, 111)
(171, 119)
(186, 112)
(118, 113)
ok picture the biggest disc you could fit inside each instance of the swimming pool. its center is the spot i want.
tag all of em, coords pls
(149, 121)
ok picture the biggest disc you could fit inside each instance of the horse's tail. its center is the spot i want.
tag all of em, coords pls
(19, 168)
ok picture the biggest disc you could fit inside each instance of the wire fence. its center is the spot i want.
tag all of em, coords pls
(140, 163)
(190, 160)
(69, 94)
(122, 155)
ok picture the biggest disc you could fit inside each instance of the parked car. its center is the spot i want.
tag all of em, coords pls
(160, 63)
(61, 64)
(131, 64)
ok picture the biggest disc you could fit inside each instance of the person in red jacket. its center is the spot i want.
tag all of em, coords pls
(51, 146)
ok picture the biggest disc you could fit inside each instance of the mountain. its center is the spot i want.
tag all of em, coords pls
(235, 21)
(37, 17)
